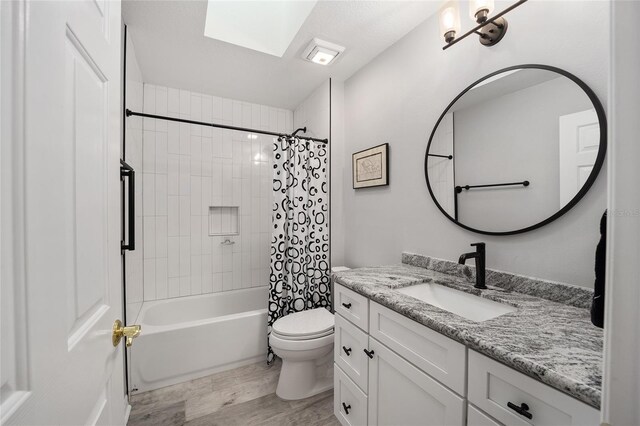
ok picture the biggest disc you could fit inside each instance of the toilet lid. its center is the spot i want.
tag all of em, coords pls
(314, 322)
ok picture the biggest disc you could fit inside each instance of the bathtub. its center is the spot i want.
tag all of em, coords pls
(190, 337)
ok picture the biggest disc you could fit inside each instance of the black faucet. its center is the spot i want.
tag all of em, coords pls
(479, 256)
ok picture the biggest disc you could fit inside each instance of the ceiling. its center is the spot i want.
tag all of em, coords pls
(172, 50)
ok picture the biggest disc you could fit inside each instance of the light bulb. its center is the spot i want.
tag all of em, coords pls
(480, 9)
(449, 20)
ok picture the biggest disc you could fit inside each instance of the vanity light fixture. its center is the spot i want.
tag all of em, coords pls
(489, 29)
(322, 52)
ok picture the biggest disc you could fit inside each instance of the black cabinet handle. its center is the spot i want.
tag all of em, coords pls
(347, 305)
(523, 409)
(369, 353)
(346, 350)
(346, 408)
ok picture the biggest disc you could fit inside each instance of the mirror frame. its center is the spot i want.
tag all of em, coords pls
(602, 149)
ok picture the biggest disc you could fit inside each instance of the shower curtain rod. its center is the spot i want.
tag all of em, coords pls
(221, 126)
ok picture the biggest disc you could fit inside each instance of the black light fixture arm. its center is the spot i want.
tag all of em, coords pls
(499, 24)
(130, 113)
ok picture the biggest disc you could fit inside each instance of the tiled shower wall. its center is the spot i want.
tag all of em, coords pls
(186, 169)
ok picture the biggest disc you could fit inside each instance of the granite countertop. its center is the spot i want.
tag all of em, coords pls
(550, 337)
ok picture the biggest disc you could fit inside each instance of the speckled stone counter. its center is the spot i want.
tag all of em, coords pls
(550, 337)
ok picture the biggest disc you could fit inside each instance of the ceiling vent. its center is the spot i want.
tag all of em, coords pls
(322, 52)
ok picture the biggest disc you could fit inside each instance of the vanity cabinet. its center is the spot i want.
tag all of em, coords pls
(391, 370)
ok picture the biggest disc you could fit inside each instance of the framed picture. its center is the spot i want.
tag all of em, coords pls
(371, 167)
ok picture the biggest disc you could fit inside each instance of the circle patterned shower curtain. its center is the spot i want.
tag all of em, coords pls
(299, 278)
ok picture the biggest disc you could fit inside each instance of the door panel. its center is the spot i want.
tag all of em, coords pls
(71, 229)
(579, 145)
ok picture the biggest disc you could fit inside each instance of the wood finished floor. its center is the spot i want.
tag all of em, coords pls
(242, 396)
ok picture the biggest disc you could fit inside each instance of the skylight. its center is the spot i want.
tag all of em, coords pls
(265, 26)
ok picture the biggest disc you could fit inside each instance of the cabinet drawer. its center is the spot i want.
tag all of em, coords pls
(437, 355)
(476, 417)
(348, 351)
(400, 394)
(349, 402)
(493, 385)
(352, 306)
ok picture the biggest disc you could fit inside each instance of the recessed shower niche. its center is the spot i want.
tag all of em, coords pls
(223, 220)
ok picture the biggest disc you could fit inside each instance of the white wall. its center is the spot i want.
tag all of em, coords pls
(314, 113)
(188, 168)
(133, 157)
(398, 97)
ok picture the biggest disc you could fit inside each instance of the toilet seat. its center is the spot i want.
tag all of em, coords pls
(305, 325)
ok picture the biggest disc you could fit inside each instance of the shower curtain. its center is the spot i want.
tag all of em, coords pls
(299, 278)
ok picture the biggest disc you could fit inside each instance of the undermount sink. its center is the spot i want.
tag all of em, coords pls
(466, 305)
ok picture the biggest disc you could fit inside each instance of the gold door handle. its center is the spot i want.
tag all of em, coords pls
(130, 332)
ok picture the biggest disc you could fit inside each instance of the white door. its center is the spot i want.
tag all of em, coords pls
(400, 394)
(579, 144)
(63, 368)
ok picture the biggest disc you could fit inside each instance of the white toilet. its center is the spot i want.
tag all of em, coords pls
(304, 341)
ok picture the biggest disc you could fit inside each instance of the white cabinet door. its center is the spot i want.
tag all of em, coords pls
(400, 394)
(64, 369)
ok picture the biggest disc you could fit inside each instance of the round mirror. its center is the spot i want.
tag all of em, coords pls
(516, 150)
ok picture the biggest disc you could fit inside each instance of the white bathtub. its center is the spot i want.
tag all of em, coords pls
(190, 337)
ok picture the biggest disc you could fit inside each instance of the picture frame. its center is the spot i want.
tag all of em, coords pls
(370, 167)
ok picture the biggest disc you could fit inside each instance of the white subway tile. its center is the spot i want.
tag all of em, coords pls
(173, 98)
(205, 192)
(185, 215)
(196, 166)
(227, 144)
(161, 236)
(185, 175)
(196, 235)
(173, 216)
(149, 152)
(185, 102)
(227, 281)
(185, 256)
(149, 237)
(161, 195)
(196, 274)
(173, 258)
(196, 195)
(185, 139)
(217, 114)
(255, 116)
(173, 137)
(161, 153)
(237, 271)
(161, 278)
(185, 286)
(207, 279)
(148, 194)
(206, 239)
(237, 113)
(196, 109)
(173, 174)
(227, 259)
(161, 108)
(207, 148)
(174, 287)
(217, 282)
(149, 279)
(264, 117)
(216, 143)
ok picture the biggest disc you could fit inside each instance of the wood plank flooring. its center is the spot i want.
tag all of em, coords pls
(242, 396)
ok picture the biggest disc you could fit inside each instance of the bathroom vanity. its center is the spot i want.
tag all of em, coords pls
(416, 345)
